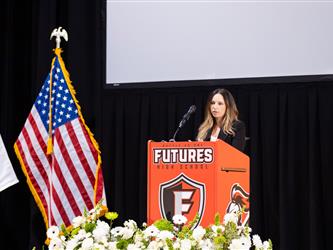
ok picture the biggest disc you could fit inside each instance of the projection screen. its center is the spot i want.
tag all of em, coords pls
(153, 41)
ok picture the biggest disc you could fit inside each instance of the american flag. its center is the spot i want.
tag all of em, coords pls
(70, 179)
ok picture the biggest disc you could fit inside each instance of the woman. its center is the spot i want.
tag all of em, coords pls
(221, 120)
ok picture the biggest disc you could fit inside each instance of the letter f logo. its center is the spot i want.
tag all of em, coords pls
(183, 201)
(182, 195)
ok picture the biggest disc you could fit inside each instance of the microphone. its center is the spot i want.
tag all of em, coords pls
(187, 116)
(184, 120)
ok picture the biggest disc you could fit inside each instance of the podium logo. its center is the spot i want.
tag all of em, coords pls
(182, 195)
(183, 155)
(239, 199)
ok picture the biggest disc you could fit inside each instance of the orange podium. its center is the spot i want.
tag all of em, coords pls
(201, 178)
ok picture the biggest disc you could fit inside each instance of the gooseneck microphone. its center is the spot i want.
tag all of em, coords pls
(185, 118)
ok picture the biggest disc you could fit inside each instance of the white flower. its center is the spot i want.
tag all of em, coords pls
(176, 244)
(132, 247)
(99, 236)
(140, 245)
(153, 245)
(98, 246)
(94, 213)
(117, 231)
(52, 232)
(257, 241)
(87, 244)
(217, 229)
(138, 237)
(88, 235)
(81, 234)
(185, 244)
(205, 244)
(55, 244)
(71, 244)
(103, 225)
(127, 233)
(101, 231)
(130, 224)
(151, 231)
(179, 219)
(112, 245)
(164, 234)
(78, 221)
(265, 245)
(198, 233)
(231, 217)
(243, 243)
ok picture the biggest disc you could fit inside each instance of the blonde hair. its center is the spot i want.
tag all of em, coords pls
(230, 116)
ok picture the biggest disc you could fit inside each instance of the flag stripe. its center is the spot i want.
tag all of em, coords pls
(59, 206)
(82, 149)
(53, 221)
(35, 162)
(40, 133)
(88, 140)
(62, 190)
(68, 166)
(86, 174)
(37, 140)
(33, 169)
(54, 212)
(100, 189)
(32, 146)
(32, 178)
(99, 192)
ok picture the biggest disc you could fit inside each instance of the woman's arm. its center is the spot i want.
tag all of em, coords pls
(238, 141)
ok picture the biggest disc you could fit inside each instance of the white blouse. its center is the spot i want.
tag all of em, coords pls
(213, 138)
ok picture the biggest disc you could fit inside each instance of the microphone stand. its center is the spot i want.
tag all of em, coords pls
(183, 121)
(174, 135)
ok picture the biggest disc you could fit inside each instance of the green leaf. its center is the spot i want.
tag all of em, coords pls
(75, 231)
(169, 244)
(217, 219)
(163, 224)
(220, 240)
(194, 221)
(85, 212)
(122, 244)
(89, 227)
(64, 230)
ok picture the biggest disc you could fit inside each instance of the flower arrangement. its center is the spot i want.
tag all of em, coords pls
(91, 232)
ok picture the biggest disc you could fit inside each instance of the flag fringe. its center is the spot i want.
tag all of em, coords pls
(58, 52)
(31, 187)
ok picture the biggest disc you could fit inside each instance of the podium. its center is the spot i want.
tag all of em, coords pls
(192, 178)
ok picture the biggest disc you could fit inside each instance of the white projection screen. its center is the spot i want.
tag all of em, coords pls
(154, 41)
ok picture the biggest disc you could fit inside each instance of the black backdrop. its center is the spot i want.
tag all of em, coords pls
(289, 123)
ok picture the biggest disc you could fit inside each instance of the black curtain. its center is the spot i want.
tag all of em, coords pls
(289, 125)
